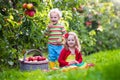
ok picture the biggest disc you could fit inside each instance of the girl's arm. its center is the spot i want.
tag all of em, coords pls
(62, 58)
(79, 57)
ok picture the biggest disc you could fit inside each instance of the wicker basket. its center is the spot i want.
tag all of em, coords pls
(28, 65)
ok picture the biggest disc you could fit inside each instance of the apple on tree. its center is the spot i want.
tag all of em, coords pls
(26, 12)
(29, 9)
(24, 5)
(29, 6)
(30, 13)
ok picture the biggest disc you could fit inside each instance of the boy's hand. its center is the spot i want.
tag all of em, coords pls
(59, 40)
(48, 29)
(50, 25)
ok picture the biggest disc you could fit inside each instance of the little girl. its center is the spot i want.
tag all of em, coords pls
(71, 53)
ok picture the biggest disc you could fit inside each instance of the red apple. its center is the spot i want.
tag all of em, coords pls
(31, 13)
(30, 59)
(29, 6)
(34, 58)
(88, 23)
(43, 58)
(39, 58)
(24, 5)
(26, 12)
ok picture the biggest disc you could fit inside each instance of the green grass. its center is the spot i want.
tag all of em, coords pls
(107, 67)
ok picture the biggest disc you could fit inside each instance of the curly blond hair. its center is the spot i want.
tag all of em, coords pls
(77, 45)
(56, 10)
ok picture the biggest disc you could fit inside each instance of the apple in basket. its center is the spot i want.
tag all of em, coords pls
(43, 58)
(36, 58)
(30, 58)
(40, 58)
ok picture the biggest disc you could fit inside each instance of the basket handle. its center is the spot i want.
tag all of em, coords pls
(32, 50)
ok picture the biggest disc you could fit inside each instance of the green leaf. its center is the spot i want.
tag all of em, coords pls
(0, 26)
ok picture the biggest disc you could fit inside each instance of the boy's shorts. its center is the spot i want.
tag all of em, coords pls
(54, 52)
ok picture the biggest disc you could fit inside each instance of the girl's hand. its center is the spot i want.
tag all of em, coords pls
(76, 62)
(73, 62)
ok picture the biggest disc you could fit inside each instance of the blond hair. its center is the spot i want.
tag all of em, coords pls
(56, 10)
(77, 43)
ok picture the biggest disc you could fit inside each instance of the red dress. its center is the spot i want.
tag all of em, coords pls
(65, 53)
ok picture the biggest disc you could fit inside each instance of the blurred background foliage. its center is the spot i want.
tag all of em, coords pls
(97, 23)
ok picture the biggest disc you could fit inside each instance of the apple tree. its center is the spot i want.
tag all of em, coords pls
(22, 25)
